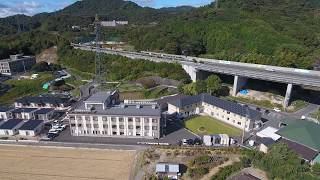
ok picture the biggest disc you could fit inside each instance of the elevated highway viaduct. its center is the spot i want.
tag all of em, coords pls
(196, 67)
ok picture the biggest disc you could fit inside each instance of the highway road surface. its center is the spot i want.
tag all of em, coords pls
(254, 71)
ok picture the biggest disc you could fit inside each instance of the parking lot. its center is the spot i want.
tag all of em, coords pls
(174, 133)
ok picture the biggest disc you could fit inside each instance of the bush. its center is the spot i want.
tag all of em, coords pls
(227, 171)
(198, 171)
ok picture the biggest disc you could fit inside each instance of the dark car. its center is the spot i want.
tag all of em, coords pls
(266, 111)
(258, 109)
(197, 141)
(52, 136)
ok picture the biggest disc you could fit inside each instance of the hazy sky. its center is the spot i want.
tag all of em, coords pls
(31, 7)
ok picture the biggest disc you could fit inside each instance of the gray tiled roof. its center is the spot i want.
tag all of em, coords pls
(31, 125)
(10, 124)
(44, 111)
(24, 110)
(223, 104)
(99, 97)
(42, 100)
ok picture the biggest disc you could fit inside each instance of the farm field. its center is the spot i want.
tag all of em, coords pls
(38, 163)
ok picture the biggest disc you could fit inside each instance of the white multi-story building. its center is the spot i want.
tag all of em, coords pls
(102, 115)
(231, 113)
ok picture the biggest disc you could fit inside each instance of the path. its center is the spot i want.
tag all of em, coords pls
(213, 171)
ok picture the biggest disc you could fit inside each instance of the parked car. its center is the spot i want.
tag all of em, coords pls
(258, 109)
(276, 109)
(52, 136)
(266, 111)
(184, 142)
(197, 141)
(53, 131)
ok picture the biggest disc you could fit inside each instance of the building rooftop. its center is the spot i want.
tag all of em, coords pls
(266, 141)
(302, 132)
(24, 110)
(42, 100)
(10, 124)
(303, 151)
(123, 109)
(167, 168)
(5, 109)
(99, 97)
(269, 132)
(31, 125)
(224, 104)
(44, 111)
(15, 57)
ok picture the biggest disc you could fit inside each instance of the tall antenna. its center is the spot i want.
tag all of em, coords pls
(98, 59)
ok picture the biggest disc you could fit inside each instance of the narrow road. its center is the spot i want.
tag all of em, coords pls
(307, 110)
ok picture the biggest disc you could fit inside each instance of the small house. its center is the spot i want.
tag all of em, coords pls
(10, 127)
(31, 128)
(44, 114)
(24, 113)
(168, 170)
(5, 113)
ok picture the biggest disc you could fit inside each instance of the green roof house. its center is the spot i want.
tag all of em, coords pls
(303, 137)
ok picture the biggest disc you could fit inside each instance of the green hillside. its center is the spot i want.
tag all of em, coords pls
(284, 33)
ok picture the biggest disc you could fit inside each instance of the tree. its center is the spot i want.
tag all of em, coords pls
(41, 67)
(201, 86)
(316, 169)
(213, 84)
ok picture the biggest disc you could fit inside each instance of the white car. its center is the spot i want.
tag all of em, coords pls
(277, 109)
(53, 131)
(59, 129)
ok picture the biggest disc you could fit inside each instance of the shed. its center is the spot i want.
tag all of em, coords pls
(44, 114)
(31, 128)
(169, 170)
(10, 127)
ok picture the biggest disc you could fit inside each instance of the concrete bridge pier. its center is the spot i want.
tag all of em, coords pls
(195, 74)
(192, 71)
(238, 83)
(288, 95)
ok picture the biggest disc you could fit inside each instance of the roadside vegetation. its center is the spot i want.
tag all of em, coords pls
(24, 87)
(205, 125)
(316, 115)
(278, 163)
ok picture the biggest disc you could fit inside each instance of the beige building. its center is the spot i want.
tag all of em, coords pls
(229, 112)
(102, 116)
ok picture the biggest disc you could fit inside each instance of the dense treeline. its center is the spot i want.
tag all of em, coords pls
(29, 43)
(284, 33)
(120, 68)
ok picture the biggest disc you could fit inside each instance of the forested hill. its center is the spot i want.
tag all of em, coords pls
(83, 12)
(285, 33)
(276, 32)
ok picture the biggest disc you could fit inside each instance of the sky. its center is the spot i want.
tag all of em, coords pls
(31, 7)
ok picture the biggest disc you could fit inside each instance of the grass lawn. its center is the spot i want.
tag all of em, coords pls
(204, 125)
(26, 87)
